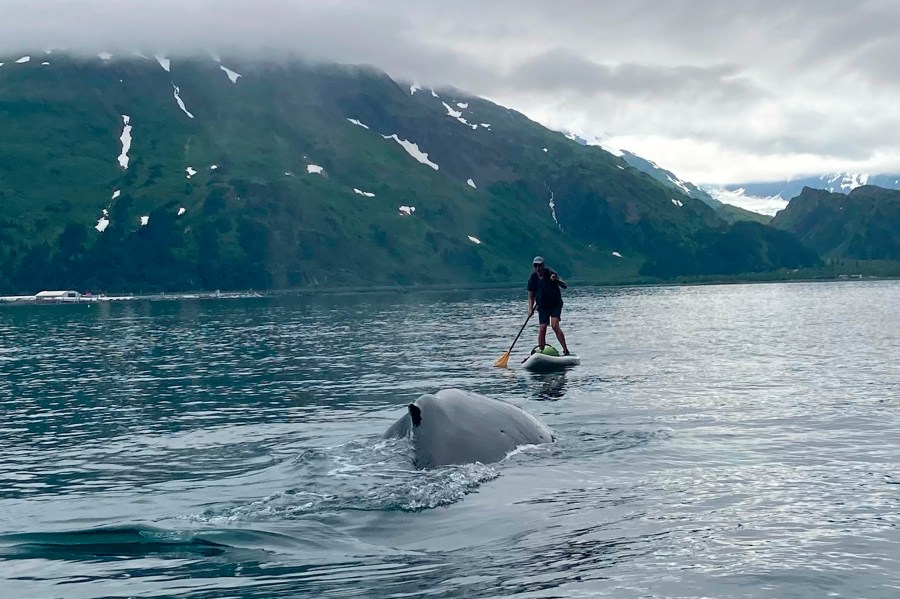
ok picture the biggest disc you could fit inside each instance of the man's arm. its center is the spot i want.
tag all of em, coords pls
(530, 302)
(560, 282)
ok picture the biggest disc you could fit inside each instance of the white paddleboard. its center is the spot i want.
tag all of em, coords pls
(541, 362)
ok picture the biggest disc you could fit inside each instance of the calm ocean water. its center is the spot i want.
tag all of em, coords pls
(717, 441)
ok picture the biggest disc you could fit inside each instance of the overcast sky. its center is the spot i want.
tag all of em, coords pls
(717, 91)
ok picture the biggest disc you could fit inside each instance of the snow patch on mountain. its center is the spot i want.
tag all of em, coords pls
(116, 193)
(126, 141)
(617, 254)
(679, 183)
(407, 210)
(180, 101)
(314, 169)
(598, 141)
(358, 123)
(213, 167)
(190, 172)
(231, 74)
(102, 224)
(105, 56)
(553, 211)
(475, 240)
(462, 104)
(471, 184)
(164, 62)
(23, 60)
(848, 181)
(181, 211)
(414, 88)
(45, 64)
(368, 194)
(678, 203)
(458, 116)
(145, 220)
(454, 113)
(413, 150)
(434, 94)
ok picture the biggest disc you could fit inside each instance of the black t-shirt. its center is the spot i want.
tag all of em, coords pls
(546, 292)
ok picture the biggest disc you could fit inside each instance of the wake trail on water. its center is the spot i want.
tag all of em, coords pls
(362, 475)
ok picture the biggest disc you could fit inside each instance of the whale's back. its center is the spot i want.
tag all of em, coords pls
(457, 427)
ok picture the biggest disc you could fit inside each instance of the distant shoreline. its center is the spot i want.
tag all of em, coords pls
(441, 288)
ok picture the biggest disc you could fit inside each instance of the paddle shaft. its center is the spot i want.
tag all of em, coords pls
(520, 332)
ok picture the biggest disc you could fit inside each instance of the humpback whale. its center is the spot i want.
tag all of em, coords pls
(459, 427)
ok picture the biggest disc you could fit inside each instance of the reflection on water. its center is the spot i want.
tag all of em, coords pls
(726, 441)
(549, 386)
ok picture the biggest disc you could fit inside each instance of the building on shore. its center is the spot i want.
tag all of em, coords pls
(50, 297)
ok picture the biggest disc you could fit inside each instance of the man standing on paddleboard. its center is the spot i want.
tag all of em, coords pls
(544, 293)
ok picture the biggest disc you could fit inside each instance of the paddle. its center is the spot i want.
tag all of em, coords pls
(504, 359)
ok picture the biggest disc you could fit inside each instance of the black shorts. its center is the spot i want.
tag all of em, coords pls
(545, 312)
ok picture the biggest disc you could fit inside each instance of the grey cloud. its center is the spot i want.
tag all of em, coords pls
(559, 70)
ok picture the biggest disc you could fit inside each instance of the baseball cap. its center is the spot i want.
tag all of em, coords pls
(537, 260)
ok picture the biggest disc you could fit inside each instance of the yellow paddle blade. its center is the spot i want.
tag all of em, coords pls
(502, 361)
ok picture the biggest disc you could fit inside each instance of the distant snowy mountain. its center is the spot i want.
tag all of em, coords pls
(649, 167)
(669, 178)
(769, 197)
(739, 197)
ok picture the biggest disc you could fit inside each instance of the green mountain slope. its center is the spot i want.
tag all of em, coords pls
(864, 225)
(294, 175)
(733, 214)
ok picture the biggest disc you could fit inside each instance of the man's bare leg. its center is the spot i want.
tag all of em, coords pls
(542, 336)
(554, 324)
